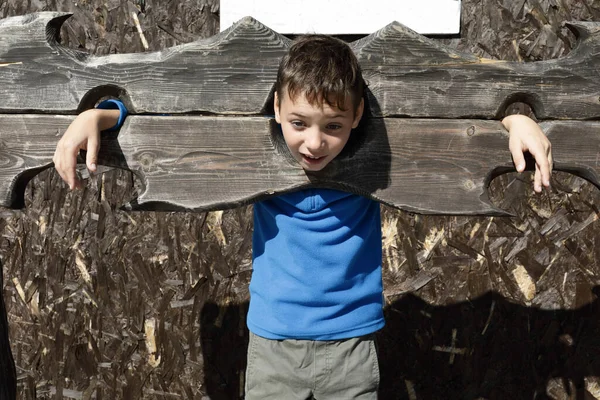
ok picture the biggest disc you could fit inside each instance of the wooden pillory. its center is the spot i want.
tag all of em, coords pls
(223, 151)
(431, 142)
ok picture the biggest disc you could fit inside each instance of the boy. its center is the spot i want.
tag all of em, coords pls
(316, 290)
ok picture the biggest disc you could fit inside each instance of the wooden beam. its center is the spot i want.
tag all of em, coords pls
(201, 163)
(234, 72)
(230, 73)
(410, 75)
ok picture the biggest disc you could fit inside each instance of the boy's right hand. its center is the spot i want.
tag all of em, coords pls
(82, 134)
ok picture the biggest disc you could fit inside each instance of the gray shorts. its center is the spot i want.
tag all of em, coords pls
(302, 369)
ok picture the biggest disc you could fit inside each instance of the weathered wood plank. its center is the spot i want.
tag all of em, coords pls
(411, 75)
(233, 73)
(222, 162)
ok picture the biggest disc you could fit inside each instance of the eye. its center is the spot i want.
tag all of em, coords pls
(334, 127)
(297, 124)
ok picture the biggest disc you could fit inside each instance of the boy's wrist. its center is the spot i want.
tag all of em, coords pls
(103, 119)
(509, 120)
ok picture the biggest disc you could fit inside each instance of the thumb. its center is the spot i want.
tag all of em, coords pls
(91, 157)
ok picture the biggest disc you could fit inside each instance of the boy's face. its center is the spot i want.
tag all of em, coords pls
(315, 134)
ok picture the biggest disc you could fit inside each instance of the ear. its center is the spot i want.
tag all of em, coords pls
(276, 107)
(359, 113)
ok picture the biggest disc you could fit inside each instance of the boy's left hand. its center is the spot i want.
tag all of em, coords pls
(526, 135)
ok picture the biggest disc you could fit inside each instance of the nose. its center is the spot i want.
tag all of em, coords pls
(314, 140)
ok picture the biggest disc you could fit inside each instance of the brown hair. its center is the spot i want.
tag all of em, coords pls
(323, 68)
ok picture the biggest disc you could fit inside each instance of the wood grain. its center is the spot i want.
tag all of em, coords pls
(413, 76)
(233, 72)
(203, 163)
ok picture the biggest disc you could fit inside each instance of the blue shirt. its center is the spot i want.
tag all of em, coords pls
(316, 266)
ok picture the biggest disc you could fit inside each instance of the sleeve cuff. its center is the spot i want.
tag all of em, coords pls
(112, 104)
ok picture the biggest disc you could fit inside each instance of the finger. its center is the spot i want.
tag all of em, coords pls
(69, 165)
(70, 177)
(516, 150)
(92, 153)
(543, 164)
(58, 168)
(59, 165)
(537, 179)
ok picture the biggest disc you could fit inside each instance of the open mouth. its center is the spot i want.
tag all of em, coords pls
(311, 159)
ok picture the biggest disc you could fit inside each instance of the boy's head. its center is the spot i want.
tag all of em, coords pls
(318, 98)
